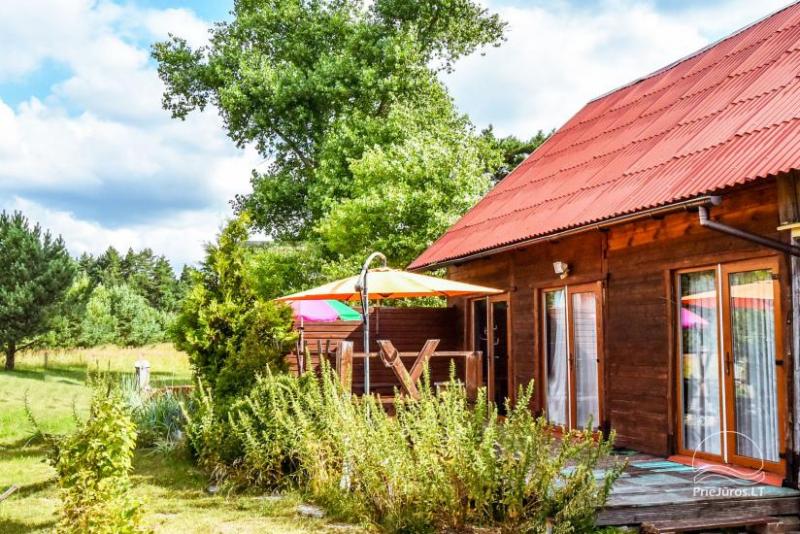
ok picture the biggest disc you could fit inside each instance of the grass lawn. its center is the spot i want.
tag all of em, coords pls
(172, 492)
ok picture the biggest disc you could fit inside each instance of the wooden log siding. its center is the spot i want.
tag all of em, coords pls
(636, 262)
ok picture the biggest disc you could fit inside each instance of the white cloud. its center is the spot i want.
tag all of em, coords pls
(560, 56)
(181, 22)
(97, 159)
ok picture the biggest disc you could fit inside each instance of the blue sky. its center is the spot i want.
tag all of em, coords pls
(86, 149)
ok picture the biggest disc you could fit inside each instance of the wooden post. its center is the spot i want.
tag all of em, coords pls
(423, 358)
(344, 365)
(391, 358)
(472, 374)
(789, 215)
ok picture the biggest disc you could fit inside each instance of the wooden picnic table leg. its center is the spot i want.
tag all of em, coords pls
(391, 358)
(423, 358)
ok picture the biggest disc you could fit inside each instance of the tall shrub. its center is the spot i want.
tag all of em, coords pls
(117, 314)
(94, 466)
(439, 463)
(229, 333)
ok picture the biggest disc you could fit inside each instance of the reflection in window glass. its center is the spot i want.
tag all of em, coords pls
(700, 362)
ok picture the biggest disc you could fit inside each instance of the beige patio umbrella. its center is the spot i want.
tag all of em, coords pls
(386, 283)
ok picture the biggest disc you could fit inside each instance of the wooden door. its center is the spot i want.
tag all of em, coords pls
(491, 334)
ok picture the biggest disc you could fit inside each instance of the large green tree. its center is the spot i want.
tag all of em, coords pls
(35, 273)
(343, 99)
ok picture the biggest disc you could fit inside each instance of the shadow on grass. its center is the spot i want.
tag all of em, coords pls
(170, 473)
(65, 373)
(8, 526)
(78, 374)
(29, 447)
(32, 489)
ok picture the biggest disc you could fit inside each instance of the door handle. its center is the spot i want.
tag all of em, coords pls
(728, 363)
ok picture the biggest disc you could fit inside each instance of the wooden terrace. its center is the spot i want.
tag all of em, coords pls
(661, 495)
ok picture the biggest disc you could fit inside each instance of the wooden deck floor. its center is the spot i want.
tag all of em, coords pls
(656, 489)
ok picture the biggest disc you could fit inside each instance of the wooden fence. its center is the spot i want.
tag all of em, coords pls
(407, 331)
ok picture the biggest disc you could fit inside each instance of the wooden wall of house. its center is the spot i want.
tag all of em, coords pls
(636, 261)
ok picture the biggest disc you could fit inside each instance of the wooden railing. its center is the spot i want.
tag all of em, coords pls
(345, 362)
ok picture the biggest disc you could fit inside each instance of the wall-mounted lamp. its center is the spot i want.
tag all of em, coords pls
(561, 269)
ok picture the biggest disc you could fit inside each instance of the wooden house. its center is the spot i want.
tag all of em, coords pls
(647, 255)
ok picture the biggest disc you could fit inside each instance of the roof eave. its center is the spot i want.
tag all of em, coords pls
(694, 202)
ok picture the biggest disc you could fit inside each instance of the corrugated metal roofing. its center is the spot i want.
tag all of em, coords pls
(724, 116)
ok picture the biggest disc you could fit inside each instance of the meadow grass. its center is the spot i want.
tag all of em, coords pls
(173, 493)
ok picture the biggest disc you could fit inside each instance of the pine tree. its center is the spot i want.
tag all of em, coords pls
(35, 273)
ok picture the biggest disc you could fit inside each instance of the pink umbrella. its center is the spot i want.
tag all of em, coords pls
(690, 319)
(314, 311)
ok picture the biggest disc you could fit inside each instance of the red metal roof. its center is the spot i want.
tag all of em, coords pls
(724, 116)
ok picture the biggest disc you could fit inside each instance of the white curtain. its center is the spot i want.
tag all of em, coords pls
(753, 337)
(584, 318)
(556, 343)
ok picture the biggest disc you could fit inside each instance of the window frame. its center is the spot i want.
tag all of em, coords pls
(723, 270)
(597, 289)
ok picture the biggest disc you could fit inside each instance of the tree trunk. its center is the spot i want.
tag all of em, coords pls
(11, 353)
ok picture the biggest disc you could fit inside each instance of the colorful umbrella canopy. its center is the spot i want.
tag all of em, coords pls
(754, 295)
(346, 313)
(386, 283)
(323, 311)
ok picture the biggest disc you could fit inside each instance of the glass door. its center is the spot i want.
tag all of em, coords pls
(700, 378)
(752, 365)
(585, 358)
(490, 335)
(480, 336)
(731, 373)
(556, 364)
(572, 339)
(498, 318)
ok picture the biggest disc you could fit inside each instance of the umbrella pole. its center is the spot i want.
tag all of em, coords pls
(365, 310)
(361, 287)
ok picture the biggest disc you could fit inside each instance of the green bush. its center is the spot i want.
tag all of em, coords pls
(94, 466)
(158, 416)
(439, 463)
